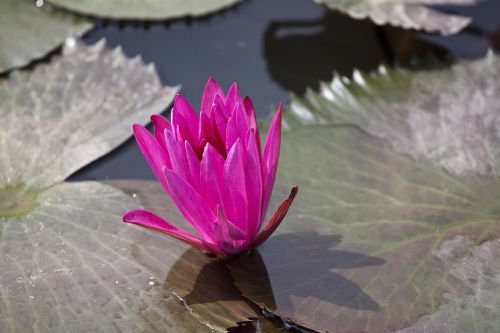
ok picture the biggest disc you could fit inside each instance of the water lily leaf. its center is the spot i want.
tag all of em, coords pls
(477, 310)
(447, 117)
(71, 265)
(29, 32)
(359, 249)
(65, 114)
(139, 10)
(355, 253)
(408, 14)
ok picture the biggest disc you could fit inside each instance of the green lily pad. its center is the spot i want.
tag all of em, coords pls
(477, 310)
(29, 32)
(361, 248)
(68, 262)
(65, 114)
(139, 10)
(446, 117)
(71, 265)
(404, 13)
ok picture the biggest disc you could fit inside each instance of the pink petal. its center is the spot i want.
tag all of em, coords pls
(230, 238)
(233, 99)
(278, 216)
(177, 156)
(220, 117)
(154, 222)
(210, 133)
(232, 133)
(185, 120)
(194, 165)
(156, 156)
(219, 122)
(191, 205)
(212, 89)
(253, 183)
(160, 125)
(250, 112)
(207, 132)
(252, 120)
(212, 176)
(234, 197)
(237, 127)
(270, 159)
(201, 146)
(241, 122)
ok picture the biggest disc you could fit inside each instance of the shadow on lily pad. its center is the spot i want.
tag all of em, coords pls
(286, 269)
(204, 285)
(298, 266)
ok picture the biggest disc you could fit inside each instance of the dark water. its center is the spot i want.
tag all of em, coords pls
(272, 47)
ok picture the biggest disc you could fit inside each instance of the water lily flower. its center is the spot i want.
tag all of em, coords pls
(213, 168)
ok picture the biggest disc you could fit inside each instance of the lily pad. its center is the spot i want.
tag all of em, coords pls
(448, 117)
(65, 114)
(70, 265)
(29, 32)
(68, 262)
(408, 14)
(139, 10)
(477, 310)
(359, 250)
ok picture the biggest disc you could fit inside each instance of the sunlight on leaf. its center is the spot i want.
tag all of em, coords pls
(404, 13)
(70, 265)
(65, 114)
(477, 309)
(29, 33)
(140, 10)
(448, 117)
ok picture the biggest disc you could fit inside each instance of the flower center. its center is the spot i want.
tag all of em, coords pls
(17, 201)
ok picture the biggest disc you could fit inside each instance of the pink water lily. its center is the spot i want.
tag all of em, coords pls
(212, 167)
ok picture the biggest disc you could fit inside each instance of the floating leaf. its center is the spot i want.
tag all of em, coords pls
(358, 251)
(448, 117)
(407, 14)
(65, 114)
(139, 10)
(478, 309)
(68, 262)
(71, 265)
(29, 32)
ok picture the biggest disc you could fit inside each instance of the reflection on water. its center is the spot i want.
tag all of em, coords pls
(407, 49)
(491, 37)
(300, 53)
(494, 39)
